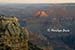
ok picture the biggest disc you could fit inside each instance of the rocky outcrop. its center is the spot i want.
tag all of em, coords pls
(12, 36)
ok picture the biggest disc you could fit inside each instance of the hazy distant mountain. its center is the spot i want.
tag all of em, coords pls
(27, 10)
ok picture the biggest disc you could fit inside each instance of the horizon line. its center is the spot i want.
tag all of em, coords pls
(37, 3)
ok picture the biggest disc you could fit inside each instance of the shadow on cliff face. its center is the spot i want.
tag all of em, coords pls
(4, 47)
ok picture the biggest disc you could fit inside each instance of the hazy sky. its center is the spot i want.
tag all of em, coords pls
(37, 1)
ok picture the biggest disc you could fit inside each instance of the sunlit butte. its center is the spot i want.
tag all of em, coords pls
(41, 14)
(37, 1)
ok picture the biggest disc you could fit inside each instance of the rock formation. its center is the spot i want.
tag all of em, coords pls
(12, 36)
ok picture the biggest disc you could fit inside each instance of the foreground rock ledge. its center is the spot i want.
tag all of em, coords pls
(12, 36)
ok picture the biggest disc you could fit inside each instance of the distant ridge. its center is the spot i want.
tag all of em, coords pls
(8, 4)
